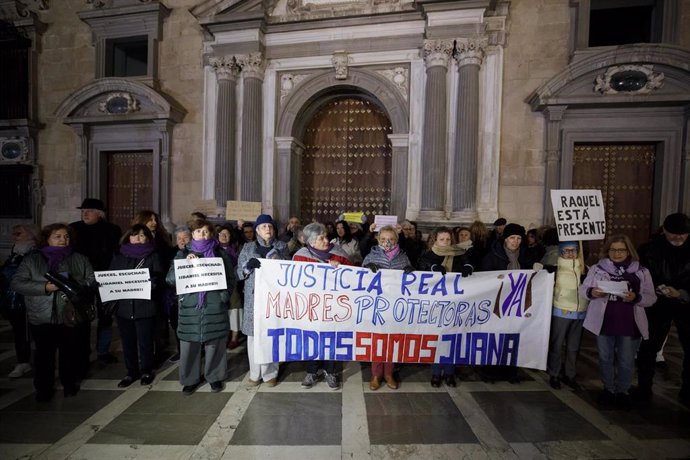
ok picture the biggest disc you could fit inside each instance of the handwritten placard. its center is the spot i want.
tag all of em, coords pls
(579, 214)
(355, 217)
(381, 221)
(208, 207)
(308, 311)
(242, 210)
(202, 274)
(124, 284)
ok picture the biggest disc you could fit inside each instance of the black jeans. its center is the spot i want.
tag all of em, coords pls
(660, 318)
(52, 338)
(137, 344)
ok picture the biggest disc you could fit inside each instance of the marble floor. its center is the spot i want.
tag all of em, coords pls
(477, 419)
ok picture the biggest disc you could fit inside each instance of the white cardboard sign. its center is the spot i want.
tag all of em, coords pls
(124, 284)
(202, 274)
(579, 214)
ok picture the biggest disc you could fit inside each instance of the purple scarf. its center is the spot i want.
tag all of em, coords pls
(206, 248)
(323, 255)
(232, 252)
(392, 253)
(55, 255)
(137, 251)
(631, 277)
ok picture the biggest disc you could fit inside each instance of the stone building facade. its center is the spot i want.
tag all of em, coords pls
(486, 106)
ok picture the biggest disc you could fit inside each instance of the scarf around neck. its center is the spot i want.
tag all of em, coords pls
(448, 253)
(204, 247)
(392, 252)
(55, 255)
(513, 258)
(263, 247)
(322, 255)
(137, 251)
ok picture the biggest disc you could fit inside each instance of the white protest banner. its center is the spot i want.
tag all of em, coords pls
(579, 214)
(306, 311)
(381, 221)
(124, 284)
(202, 274)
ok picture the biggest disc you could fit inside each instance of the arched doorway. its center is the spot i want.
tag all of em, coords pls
(346, 166)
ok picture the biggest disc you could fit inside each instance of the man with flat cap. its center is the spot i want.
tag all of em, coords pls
(98, 240)
(667, 256)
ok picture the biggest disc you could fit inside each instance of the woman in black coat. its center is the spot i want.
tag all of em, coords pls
(136, 318)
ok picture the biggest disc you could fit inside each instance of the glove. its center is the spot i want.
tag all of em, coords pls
(438, 268)
(537, 266)
(550, 268)
(467, 270)
(253, 263)
(408, 269)
(372, 266)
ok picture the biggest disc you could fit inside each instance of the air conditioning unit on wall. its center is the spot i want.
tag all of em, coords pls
(14, 150)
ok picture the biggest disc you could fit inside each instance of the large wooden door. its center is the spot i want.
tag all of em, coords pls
(625, 175)
(347, 161)
(130, 185)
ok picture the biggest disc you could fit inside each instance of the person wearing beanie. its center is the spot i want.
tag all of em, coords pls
(498, 233)
(667, 256)
(264, 246)
(568, 314)
(506, 254)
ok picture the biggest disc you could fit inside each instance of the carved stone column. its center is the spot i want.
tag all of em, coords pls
(553, 116)
(436, 56)
(165, 128)
(469, 54)
(288, 172)
(400, 146)
(253, 66)
(226, 70)
(83, 132)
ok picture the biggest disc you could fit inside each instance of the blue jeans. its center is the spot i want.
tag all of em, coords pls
(621, 350)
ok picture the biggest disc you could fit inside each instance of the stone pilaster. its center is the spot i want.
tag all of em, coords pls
(436, 56)
(253, 66)
(165, 128)
(226, 71)
(288, 172)
(553, 116)
(469, 54)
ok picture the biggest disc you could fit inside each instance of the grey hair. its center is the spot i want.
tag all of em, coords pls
(312, 231)
(31, 229)
(183, 229)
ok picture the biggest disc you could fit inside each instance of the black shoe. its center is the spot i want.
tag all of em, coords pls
(623, 401)
(216, 387)
(174, 358)
(127, 381)
(642, 394)
(147, 379)
(190, 389)
(450, 381)
(436, 381)
(606, 399)
(107, 358)
(571, 383)
(555, 383)
(68, 392)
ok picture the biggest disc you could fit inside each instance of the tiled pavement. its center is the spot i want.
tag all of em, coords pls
(475, 420)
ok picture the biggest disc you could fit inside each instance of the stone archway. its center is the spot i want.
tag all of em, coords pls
(300, 107)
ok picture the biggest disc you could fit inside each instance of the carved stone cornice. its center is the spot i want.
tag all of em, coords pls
(437, 52)
(470, 51)
(225, 67)
(253, 65)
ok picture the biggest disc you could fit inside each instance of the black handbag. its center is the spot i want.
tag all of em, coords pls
(79, 300)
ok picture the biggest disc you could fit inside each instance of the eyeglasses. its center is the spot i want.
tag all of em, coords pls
(617, 251)
(570, 251)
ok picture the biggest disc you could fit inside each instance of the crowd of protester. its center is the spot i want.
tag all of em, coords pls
(630, 323)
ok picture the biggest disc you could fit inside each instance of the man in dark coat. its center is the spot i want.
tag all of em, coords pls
(98, 240)
(667, 257)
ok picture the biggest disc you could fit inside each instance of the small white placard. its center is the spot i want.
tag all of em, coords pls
(618, 288)
(381, 221)
(124, 284)
(202, 274)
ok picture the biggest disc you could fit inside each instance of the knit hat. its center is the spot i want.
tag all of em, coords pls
(513, 229)
(677, 223)
(264, 219)
(567, 245)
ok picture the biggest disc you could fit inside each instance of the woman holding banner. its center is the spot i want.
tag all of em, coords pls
(444, 257)
(317, 249)
(386, 255)
(136, 318)
(619, 290)
(51, 329)
(264, 246)
(203, 316)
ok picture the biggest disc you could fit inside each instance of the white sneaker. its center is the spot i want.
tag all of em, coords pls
(19, 370)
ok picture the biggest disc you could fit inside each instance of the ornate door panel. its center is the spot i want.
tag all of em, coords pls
(347, 161)
(625, 175)
(130, 186)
